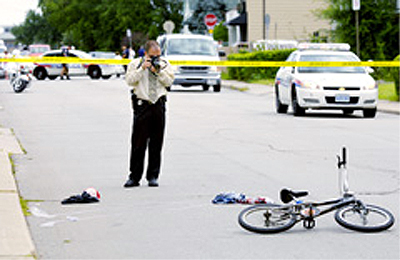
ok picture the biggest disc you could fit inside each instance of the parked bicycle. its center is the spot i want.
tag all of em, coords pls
(351, 212)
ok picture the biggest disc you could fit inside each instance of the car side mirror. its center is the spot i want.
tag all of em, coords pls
(221, 53)
(289, 69)
(369, 70)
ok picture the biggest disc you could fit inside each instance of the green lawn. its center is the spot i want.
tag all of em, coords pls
(387, 91)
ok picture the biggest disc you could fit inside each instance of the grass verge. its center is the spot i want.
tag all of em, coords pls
(387, 91)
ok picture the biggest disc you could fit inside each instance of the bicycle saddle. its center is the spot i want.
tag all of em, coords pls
(288, 195)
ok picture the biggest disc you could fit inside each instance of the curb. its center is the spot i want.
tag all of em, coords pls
(15, 238)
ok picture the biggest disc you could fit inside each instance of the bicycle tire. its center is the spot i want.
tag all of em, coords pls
(254, 219)
(377, 219)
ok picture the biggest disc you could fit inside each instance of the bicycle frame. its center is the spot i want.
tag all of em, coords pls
(351, 213)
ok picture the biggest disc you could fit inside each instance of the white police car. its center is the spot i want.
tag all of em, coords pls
(344, 88)
(53, 70)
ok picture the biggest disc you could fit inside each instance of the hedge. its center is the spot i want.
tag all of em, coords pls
(246, 73)
(395, 71)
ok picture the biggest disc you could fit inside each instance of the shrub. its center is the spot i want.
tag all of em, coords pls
(246, 73)
(395, 71)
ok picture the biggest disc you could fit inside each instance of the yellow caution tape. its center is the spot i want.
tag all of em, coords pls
(47, 60)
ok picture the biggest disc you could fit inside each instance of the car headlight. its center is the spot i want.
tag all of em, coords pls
(175, 69)
(214, 69)
(307, 84)
(371, 86)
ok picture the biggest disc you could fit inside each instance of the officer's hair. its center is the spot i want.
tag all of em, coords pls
(151, 44)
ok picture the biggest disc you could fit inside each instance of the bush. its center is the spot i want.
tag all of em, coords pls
(246, 73)
(395, 71)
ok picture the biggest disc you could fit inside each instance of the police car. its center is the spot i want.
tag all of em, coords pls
(53, 70)
(191, 47)
(344, 88)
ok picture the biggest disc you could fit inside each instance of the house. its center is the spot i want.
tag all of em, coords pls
(276, 20)
(7, 37)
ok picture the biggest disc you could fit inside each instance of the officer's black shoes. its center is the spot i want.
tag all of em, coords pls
(131, 183)
(153, 183)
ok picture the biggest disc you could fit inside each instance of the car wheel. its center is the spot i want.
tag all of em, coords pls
(369, 113)
(106, 77)
(53, 77)
(206, 87)
(40, 73)
(168, 89)
(280, 108)
(94, 72)
(297, 109)
(217, 88)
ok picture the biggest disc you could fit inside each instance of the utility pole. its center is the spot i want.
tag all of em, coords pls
(356, 8)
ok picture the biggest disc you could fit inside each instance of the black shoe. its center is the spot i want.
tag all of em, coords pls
(62, 78)
(153, 183)
(131, 183)
(68, 78)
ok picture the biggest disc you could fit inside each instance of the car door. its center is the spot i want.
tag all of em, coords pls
(53, 69)
(286, 80)
(75, 68)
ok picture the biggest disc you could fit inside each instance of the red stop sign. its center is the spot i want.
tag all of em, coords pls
(210, 20)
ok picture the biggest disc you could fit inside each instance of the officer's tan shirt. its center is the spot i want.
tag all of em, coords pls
(138, 78)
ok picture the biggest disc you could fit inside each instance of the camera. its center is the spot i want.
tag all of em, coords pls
(156, 62)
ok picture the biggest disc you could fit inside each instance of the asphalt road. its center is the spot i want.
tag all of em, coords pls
(77, 135)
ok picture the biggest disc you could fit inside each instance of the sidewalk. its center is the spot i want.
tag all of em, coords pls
(259, 89)
(15, 238)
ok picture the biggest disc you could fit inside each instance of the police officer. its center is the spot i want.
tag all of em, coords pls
(149, 76)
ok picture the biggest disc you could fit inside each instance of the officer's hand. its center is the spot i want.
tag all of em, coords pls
(146, 64)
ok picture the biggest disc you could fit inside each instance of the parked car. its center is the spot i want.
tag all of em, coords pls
(189, 47)
(36, 50)
(344, 88)
(53, 70)
(119, 69)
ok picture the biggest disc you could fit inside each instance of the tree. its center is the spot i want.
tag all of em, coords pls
(379, 27)
(221, 32)
(102, 24)
(36, 29)
(204, 7)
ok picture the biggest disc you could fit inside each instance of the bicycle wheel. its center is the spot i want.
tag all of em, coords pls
(376, 218)
(266, 219)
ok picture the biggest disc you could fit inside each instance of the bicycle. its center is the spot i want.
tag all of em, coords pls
(351, 212)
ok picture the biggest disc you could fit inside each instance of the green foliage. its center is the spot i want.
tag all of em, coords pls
(256, 73)
(99, 24)
(395, 71)
(204, 7)
(379, 27)
(221, 32)
(36, 29)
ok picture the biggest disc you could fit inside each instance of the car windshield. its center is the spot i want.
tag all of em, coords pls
(39, 49)
(103, 55)
(81, 54)
(191, 46)
(329, 57)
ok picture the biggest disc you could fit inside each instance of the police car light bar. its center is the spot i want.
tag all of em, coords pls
(324, 46)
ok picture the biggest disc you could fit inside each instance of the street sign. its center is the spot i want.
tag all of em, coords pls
(169, 26)
(356, 4)
(210, 20)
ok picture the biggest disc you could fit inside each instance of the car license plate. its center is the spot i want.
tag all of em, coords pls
(212, 82)
(342, 98)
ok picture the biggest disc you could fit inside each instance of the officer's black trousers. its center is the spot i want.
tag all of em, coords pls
(148, 131)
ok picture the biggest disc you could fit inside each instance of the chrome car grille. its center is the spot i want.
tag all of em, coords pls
(342, 88)
(194, 69)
